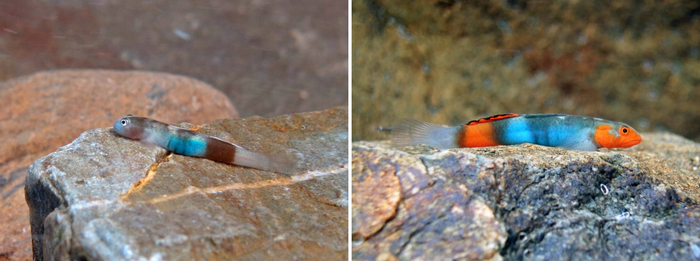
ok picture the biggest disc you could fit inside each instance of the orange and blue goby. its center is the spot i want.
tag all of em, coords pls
(554, 130)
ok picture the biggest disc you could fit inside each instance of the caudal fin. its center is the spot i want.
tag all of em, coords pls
(286, 163)
(413, 132)
(280, 163)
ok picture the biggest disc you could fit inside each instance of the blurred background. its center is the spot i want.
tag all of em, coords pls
(449, 62)
(268, 57)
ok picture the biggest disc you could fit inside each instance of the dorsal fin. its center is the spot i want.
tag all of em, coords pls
(493, 118)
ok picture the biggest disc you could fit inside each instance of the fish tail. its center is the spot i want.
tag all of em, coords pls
(412, 132)
(280, 163)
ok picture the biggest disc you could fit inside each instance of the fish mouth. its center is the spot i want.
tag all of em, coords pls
(631, 142)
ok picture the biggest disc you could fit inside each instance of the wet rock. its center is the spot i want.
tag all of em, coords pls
(529, 202)
(106, 197)
(46, 110)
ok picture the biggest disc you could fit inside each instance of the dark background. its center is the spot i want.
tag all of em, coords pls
(268, 57)
(449, 62)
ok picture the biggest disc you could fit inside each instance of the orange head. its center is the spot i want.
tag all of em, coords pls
(616, 135)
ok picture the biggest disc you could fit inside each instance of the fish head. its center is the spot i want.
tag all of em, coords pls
(130, 126)
(616, 135)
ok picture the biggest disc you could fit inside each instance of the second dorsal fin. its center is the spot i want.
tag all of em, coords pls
(493, 118)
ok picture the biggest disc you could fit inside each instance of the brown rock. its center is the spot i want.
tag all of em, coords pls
(435, 219)
(377, 191)
(46, 110)
(105, 197)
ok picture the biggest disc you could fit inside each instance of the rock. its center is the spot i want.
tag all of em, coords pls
(110, 198)
(46, 110)
(527, 202)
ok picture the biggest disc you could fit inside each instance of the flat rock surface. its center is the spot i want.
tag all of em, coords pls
(44, 111)
(527, 202)
(110, 198)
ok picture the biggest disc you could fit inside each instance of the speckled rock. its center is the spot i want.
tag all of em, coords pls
(109, 198)
(46, 110)
(527, 202)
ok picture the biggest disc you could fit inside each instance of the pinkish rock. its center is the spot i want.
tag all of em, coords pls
(46, 110)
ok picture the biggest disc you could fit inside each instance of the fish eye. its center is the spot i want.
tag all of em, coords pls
(624, 130)
(123, 122)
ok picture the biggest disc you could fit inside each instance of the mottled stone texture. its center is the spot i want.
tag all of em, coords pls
(44, 111)
(105, 197)
(449, 62)
(527, 202)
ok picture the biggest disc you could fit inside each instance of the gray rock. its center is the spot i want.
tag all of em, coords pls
(527, 202)
(104, 197)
